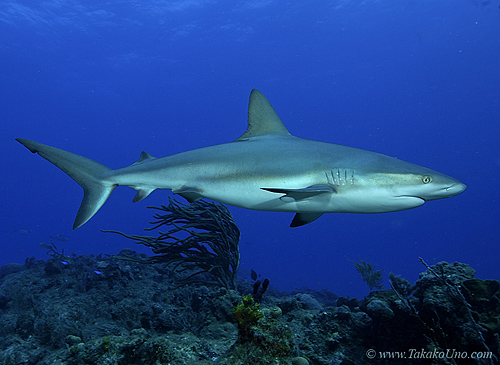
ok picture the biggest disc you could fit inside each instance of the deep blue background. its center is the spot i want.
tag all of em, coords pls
(418, 80)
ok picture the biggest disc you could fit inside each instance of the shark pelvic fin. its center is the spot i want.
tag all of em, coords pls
(190, 194)
(86, 172)
(262, 118)
(304, 218)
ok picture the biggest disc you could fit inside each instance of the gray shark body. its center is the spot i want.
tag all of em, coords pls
(265, 169)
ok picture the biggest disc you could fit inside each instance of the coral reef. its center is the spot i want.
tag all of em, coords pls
(100, 310)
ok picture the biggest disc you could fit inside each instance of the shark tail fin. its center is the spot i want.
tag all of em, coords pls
(86, 172)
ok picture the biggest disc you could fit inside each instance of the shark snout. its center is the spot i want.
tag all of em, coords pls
(455, 189)
(445, 191)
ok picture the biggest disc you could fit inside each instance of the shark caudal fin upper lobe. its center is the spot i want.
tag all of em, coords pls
(86, 172)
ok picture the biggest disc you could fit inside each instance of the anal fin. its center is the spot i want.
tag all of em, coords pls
(142, 193)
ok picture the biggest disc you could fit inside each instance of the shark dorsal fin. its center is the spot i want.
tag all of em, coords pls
(262, 118)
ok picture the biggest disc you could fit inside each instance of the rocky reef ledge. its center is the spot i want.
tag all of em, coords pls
(99, 310)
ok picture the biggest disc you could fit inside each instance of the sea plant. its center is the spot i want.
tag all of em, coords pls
(246, 314)
(52, 250)
(201, 243)
(372, 277)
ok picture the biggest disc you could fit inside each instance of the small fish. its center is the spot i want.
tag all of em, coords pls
(64, 263)
(253, 275)
(60, 237)
(97, 272)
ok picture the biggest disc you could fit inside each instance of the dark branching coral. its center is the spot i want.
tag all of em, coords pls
(202, 245)
(456, 310)
(372, 277)
(52, 250)
(456, 293)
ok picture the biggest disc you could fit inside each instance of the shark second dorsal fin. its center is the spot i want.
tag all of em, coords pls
(262, 118)
(143, 157)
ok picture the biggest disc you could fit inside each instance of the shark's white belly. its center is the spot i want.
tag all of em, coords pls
(348, 202)
(346, 199)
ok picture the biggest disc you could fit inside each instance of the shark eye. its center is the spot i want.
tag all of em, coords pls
(426, 179)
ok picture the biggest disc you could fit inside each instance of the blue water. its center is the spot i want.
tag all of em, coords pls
(418, 80)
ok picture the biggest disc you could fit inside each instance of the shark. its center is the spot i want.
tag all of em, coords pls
(266, 169)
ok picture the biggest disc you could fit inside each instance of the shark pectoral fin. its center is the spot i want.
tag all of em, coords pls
(304, 193)
(301, 219)
(190, 194)
(142, 193)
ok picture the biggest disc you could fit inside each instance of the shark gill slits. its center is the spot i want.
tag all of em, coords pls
(426, 179)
